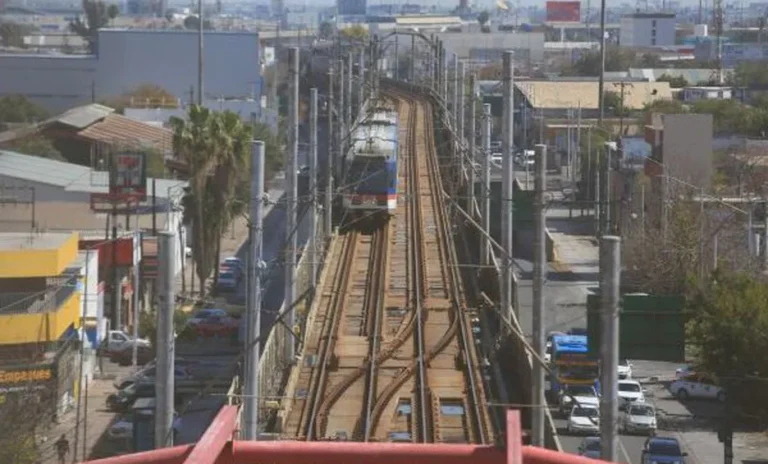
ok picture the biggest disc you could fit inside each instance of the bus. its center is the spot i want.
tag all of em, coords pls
(571, 364)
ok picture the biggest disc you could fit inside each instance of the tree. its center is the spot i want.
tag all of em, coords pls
(37, 145)
(728, 324)
(483, 17)
(30, 406)
(12, 34)
(750, 74)
(97, 15)
(674, 82)
(20, 110)
(326, 30)
(145, 95)
(192, 22)
(355, 33)
(215, 147)
(588, 64)
(612, 101)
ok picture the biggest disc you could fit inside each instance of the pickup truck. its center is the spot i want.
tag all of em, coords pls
(118, 341)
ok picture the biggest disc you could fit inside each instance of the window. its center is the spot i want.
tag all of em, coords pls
(653, 23)
(653, 33)
(653, 41)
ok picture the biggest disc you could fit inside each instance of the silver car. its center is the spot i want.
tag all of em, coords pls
(640, 418)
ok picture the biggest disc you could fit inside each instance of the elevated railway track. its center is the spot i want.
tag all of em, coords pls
(390, 355)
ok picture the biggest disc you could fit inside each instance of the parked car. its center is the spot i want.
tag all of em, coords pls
(227, 280)
(122, 400)
(584, 419)
(122, 429)
(699, 386)
(578, 331)
(577, 395)
(662, 450)
(116, 341)
(630, 391)
(147, 375)
(203, 314)
(684, 371)
(144, 354)
(590, 447)
(640, 418)
(625, 369)
(233, 264)
(218, 325)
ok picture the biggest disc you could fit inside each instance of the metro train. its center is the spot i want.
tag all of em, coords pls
(370, 167)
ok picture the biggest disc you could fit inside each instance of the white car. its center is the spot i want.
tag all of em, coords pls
(548, 353)
(640, 418)
(682, 372)
(697, 386)
(118, 341)
(584, 419)
(572, 395)
(630, 391)
(625, 370)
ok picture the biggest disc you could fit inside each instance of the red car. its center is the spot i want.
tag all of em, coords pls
(218, 325)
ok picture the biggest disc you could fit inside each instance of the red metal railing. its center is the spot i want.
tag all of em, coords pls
(216, 447)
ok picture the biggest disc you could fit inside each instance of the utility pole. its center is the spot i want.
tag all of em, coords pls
(291, 197)
(508, 178)
(539, 316)
(360, 82)
(461, 96)
(610, 252)
(328, 198)
(312, 245)
(200, 50)
(472, 141)
(165, 340)
(601, 82)
(136, 270)
(486, 190)
(350, 74)
(341, 111)
(397, 56)
(117, 291)
(253, 316)
(412, 73)
(765, 235)
(444, 74)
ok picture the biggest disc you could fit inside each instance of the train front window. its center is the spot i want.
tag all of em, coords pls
(368, 177)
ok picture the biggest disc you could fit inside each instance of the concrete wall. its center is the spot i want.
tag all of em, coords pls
(45, 192)
(54, 82)
(639, 31)
(129, 58)
(476, 44)
(687, 148)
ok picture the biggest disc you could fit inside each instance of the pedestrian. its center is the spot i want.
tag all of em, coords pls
(62, 448)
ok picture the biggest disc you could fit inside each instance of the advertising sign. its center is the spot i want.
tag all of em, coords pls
(128, 176)
(33, 378)
(563, 12)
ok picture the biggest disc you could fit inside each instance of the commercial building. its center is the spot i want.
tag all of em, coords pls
(489, 47)
(40, 304)
(128, 58)
(647, 30)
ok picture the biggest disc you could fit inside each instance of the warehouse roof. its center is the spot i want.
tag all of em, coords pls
(568, 94)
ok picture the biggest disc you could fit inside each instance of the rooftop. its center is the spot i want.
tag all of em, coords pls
(566, 94)
(71, 177)
(44, 241)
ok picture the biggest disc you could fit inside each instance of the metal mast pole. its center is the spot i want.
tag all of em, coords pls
(342, 106)
(539, 316)
(165, 340)
(508, 177)
(397, 55)
(328, 198)
(609, 347)
(200, 50)
(360, 82)
(292, 194)
(461, 93)
(313, 192)
(472, 140)
(412, 72)
(252, 354)
(601, 82)
(136, 270)
(350, 75)
(444, 74)
(486, 190)
(456, 98)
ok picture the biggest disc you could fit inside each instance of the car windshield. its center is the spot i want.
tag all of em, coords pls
(225, 275)
(580, 390)
(592, 445)
(585, 412)
(623, 363)
(129, 390)
(664, 448)
(629, 387)
(641, 410)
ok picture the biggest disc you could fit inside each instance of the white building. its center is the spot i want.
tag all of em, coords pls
(647, 30)
(128, 58)
(693, 94)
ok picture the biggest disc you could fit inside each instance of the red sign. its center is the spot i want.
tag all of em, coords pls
(564, 12)
(129, 175)
(124, 251)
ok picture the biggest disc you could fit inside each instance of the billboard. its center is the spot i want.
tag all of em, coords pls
(564, 12)
(128, 176)
(352, 7)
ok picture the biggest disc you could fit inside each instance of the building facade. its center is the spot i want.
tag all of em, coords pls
(128, 58)
(647, 30)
